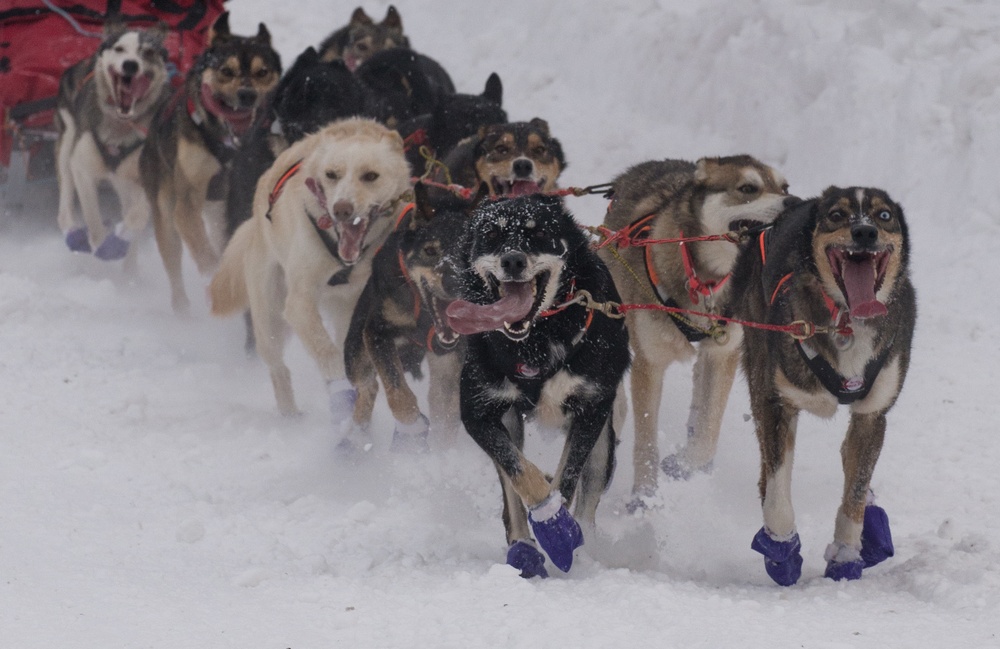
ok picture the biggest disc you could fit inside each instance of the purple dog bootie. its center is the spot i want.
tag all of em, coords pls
(411, 438)
(782, 559)
(876, 538)
(77, 241)
(556, 530)
(112, 248)
(842, 562)
(524, 556)
(342, 398)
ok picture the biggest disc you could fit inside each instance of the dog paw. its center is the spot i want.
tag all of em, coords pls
(782, 559)
(342, 398)
(556, 530)
(676, 468)
(352, 449)
(411, 438)
(876, 538)
(76, 240)
(112, 248)
(525, 557)
(842, 562)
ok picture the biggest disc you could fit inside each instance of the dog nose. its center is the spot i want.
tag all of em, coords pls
(791, 201)
(523, 167)
(130, 68)
(343, 210)
(514, 263)
(247, 98)
(864, 234)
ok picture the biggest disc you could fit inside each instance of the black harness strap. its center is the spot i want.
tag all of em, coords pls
(847, 391)
(115, 155)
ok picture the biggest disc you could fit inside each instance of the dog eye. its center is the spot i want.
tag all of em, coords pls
(361, 47)
(500, 149)
(332, 175)
(370, 177)
(885, 215)
(262, 73)
(430, 250)
(119, 49)
(227, 73)
(539, 151)
(747, 189)
(836, 215)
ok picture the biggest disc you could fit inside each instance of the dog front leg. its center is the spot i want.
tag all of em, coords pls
(778, 540)
(85, 181)
(714, 372)
(168, 242)
(443, 392)
(861, 537)
(191, 185)
(647, 390)
(302, 313)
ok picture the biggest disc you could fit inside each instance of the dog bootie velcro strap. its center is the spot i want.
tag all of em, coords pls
(556, 530)
(876, 538)
(112, 248)
(524, 556)
(411, 438)
(76, 240)
(782, 559)
(842, 562)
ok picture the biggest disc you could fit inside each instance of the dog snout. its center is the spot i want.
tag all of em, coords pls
(864, 234)
(343, 210)
(514, 263)
(246, 97)
(130, 68)
(523, 167)
(791, 201)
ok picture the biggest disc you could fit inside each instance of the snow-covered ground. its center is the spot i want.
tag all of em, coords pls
(151, 495)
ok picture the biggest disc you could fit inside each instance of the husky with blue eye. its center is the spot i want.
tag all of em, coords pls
(534, 348)
(840, 262)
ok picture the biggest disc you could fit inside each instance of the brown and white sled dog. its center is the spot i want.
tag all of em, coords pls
(839, 262)
(319, 215)
(105, 106)
(191, 147)
(669, 199)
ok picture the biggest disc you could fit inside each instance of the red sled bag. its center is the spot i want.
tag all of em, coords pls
(39, 39)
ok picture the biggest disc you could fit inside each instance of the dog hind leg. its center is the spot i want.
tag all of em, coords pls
(267, 295)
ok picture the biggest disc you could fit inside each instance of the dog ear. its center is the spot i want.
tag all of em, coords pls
(424, 211)
(359, 17)
(219, 31)
(158, 32)
(703, 169)
(494, 90)
(541, 125)
(113, 29)
(392, 19)
(263, 36)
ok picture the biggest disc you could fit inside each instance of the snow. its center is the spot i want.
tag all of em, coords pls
(151, 495)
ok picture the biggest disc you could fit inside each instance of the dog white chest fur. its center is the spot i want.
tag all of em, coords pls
(324, 221)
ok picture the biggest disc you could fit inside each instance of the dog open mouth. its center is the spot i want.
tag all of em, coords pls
(351, 239)
(128, 90)
(513, 313)
(517, 186)
(737, 225)
(860, 274)
(446, 337)
(238, 119)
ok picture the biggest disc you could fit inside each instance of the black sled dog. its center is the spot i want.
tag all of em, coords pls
(839, 262)
(534, 348)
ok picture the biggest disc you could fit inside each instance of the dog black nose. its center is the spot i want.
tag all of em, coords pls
(247, 98)
(791, 201)
(130, 68)
(514, 263)
(864, 234)
(523, 167)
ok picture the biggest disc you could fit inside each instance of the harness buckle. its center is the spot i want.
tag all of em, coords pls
(804, 330)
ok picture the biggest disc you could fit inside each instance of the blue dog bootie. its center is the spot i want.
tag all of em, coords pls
(77, 241)
(876, 538)
(411, 438)
(842, 562)
(556, 530)
(114, 247)
(342, 398)
(782, 559)
(524, 556)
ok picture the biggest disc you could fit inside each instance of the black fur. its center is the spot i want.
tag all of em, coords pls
(558, 343)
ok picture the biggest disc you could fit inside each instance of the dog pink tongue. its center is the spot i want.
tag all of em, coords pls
(859, 282)
(352, 236)
(131, 92)
(524, 187)
(468, 318)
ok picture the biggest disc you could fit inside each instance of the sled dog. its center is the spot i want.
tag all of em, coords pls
(534, 348)
(362, 37)
(840, 263)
